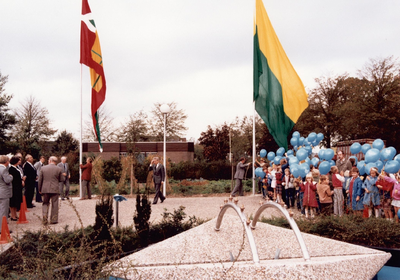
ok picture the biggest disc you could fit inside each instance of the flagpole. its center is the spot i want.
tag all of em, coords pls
(80, 147)
(254, 146)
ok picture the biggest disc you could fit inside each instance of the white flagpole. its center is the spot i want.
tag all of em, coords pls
(80, 147)
(254, 147)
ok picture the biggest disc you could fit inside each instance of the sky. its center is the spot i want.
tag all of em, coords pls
(197, 53)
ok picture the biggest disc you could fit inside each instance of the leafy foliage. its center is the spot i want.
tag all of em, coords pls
(65, 143)
(142, 217)
(349, 228)
(349, 108)
(7, 119)
(32, 128)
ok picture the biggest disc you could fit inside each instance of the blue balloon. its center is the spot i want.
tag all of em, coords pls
(315, 161)
(290, 152)
(294, 141)
(301, 140)
(312, 136)
(295, 148)
(293, 161)
(397, 158)
(309, 149)
(315, 143)
(392, 166)
(393, 152)
(379, 165)
(332, 162)
(277, 160)
(368, 167)
(320, 137)
(372, 155)
(304, 169)
(302, 154)
(306, 142)
(355, 148)
(365, 148)
(321, 154)
(281, 151)
(263, 153)
(398, 213)
(271, 156)
(324, 168)
(295, 170)
(329, 154)
(378, 144)
(386, 154)
(361, 167)
(296, 134)
(259, 172)
(308, 161)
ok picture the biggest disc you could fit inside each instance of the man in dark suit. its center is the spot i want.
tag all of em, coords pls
(240, 169)
(158, 178)
(49, 178)
(65, 172)
(30, 173)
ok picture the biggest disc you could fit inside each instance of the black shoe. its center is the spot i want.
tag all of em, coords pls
(30, 206)
(63, 198)
(154, 202)
(54, 223)
(14, 219)
(67, 197)
(162, 200)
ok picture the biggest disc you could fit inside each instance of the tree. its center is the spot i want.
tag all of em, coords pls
(215, 143)
(65, 143)
(108, 130)
(175, 126)
(32, 128)
(7, 120)
(135, 129)
(324, 111)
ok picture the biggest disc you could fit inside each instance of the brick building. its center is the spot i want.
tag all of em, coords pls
(176, 151)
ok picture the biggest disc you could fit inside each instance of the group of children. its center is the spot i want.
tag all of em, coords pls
(333, 193)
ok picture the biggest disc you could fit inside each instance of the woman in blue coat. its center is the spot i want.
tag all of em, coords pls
(356, 192)
(371, 196)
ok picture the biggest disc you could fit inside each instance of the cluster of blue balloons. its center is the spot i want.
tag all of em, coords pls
(376, 156)
(272, 156)
(313, 139)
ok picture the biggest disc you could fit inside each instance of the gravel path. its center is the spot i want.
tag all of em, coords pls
(201, 207)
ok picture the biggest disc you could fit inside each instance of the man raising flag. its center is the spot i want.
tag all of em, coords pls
(91, 57)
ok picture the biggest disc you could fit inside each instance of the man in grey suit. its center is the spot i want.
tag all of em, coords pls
(38, 165)
(158, 178)
(49, 178)
(65, 172)
(240, 169)
(5, 187)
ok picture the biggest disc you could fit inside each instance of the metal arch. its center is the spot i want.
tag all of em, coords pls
(247, 228)
(291, 221)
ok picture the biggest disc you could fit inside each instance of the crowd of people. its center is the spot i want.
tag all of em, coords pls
(50, 182)
(340, 191)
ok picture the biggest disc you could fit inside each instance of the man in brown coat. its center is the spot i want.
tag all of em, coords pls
(86, 178)
(49, 178)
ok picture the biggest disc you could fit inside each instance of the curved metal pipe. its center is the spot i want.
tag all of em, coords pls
(293, 225)
(246, 226)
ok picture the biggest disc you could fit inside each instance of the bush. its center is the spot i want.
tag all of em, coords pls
(112, 169)
(349, 228)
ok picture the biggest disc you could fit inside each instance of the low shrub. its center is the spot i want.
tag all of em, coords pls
(349, 228)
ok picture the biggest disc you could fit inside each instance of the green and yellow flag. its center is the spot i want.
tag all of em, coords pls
(279, 94)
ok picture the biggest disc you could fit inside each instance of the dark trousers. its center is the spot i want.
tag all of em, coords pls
(29, 192)
(38, 195)
(238, 188)
(159, 193)
(326, 209)
(290, 197)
